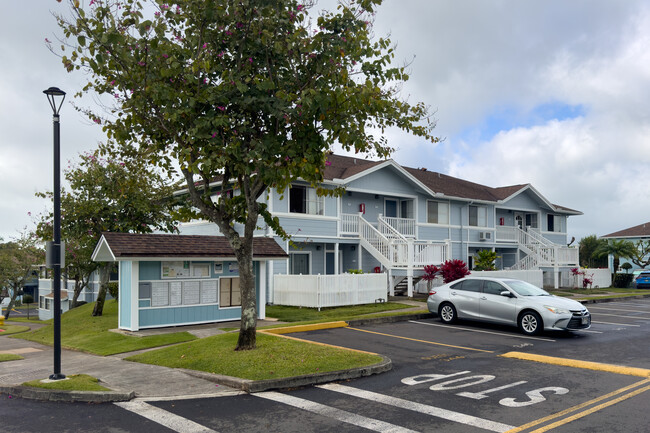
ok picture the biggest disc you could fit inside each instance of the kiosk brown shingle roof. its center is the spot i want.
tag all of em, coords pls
(169, 245)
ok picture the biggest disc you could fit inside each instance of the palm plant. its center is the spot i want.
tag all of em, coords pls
(618, 248)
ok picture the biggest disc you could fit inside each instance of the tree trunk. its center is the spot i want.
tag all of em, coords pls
(248, 329)
(12, 302)
(104, 276)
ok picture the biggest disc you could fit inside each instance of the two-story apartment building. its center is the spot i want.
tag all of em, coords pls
(398, 219)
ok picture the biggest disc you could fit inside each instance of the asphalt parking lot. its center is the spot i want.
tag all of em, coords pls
(475, 370)
(466, 377)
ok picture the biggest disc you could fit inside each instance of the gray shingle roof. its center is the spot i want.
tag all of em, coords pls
(170, 245)
(642, 230)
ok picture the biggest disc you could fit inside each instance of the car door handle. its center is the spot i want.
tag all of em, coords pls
(453, 293)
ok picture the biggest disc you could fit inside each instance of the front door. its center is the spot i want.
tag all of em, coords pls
(519, 220)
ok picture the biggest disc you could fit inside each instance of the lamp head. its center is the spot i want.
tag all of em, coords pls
(53, 93)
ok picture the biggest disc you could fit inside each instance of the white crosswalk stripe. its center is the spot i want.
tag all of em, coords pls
(162, 417)
(338, 414)
(420, 408)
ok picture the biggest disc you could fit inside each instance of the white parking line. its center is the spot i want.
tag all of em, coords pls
(419, 408)
(162, 417)
(331, 412)
(623, 317)
(618, 309)
(483, 332)
(616, 324)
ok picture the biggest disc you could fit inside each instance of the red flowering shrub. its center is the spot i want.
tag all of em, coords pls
(451, 270)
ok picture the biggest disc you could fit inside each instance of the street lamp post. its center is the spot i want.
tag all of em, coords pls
(53, 93)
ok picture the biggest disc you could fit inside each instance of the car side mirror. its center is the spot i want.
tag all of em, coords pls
(507, 294)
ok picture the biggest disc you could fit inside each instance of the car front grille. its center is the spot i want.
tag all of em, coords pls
(576, 319)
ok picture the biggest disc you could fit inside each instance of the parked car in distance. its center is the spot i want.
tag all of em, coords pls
(507, 301)
(642, 281)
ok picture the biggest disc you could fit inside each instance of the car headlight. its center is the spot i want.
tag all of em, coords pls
(557, 310)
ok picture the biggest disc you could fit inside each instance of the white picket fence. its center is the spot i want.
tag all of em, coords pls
(318, 291)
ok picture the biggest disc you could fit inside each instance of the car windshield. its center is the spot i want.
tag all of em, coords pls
(644, 275)
(526, 289)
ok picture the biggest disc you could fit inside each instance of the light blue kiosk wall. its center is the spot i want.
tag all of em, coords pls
(155, 294)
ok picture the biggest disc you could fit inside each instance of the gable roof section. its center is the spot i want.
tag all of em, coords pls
(349, 168)
(133, 245)
(642, 230)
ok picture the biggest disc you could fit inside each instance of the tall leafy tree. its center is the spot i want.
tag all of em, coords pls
(106, 194)
(641, 256)
(17, 261)
(587, 246)
(252, 94)
(618, 248)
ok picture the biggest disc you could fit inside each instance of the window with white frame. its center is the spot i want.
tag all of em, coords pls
(229, 292)
(478, 216)
(437, 212)
(554, 223)
(303, 199)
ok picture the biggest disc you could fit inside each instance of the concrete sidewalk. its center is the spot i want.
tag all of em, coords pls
(131, 379)
(122, 376)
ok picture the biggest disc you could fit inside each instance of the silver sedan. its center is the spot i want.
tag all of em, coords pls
(507, 301)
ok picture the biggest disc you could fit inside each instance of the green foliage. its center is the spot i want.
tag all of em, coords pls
(355, 271)
(618, 248)
(81, 331)
(641, 257)
(241, 96)
(113, 289)
(485, 260)
(276, 357)
(17, 260)
(28, 299)
(622, 280)
(626, 267)
(587, 246)
(106, 194)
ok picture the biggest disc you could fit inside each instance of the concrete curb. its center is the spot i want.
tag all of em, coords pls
(390, 319)
(56, 395)
(600, 301)
(252, 386)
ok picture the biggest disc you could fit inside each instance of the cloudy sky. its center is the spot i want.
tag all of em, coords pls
(552, 93)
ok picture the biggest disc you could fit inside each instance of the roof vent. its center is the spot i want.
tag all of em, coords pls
(422, 169)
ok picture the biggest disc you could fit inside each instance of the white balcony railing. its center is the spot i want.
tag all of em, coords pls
(350, 224)
(405, 226)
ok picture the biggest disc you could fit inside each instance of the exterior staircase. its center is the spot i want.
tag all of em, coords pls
(542, 252)
(398, 253)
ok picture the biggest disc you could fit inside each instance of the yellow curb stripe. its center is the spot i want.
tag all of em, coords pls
(577, 407)
(610, 368)
(421, 341)
(305, 328)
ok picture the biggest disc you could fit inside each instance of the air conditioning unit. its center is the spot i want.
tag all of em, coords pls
(484, 236)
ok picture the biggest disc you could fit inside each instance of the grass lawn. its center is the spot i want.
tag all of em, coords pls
(74, 382)
(12, 329)
(9, 357)
(275, 357)
(81, 331)
(303, 314)
(601, 292)
(33, 319)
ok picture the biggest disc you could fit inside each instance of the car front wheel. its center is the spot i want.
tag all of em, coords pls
(447, 313)
(530, 323)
